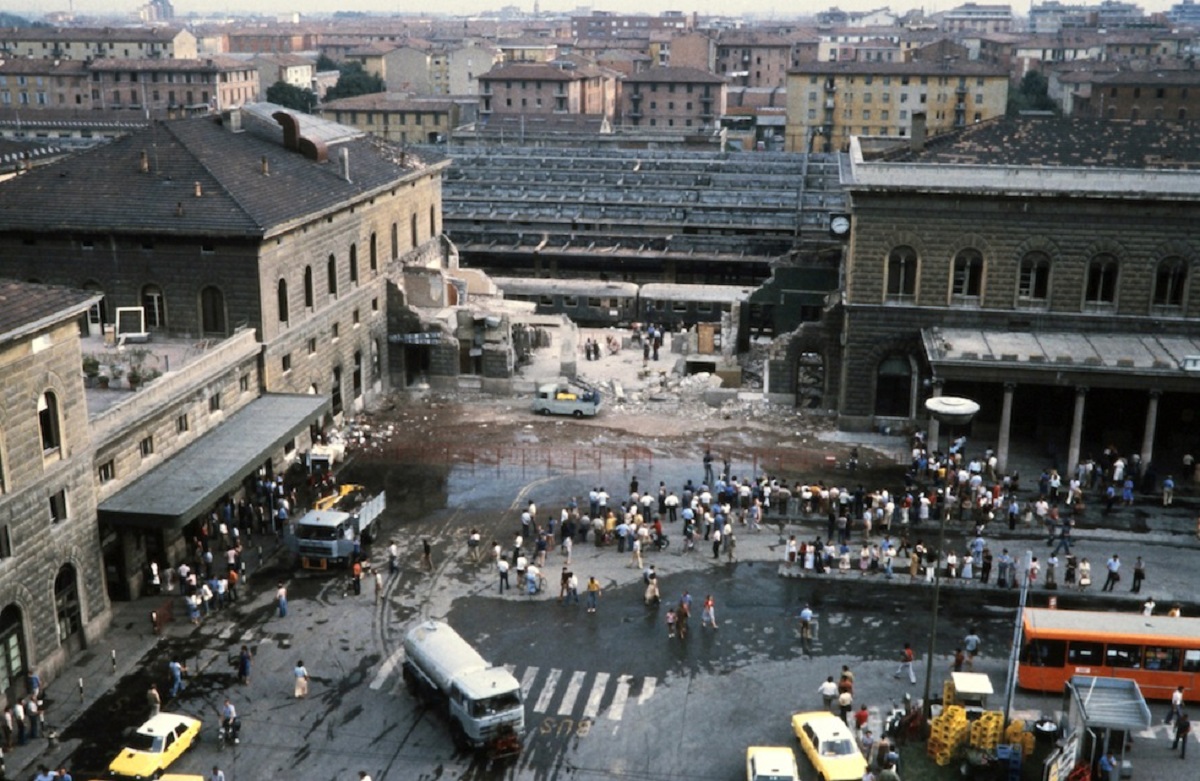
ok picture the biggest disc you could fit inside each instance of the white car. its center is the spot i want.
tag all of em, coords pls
(771, 763)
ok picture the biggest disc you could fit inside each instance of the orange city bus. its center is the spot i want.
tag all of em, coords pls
(1159, 652)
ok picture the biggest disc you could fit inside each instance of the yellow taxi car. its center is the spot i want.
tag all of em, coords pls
(771, 763)
(829, 746)
(155, 745)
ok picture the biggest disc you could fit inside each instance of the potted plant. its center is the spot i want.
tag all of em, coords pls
(115, 371)
(138, 373)
(91, 369)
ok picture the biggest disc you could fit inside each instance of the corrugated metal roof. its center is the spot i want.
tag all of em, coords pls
(1113, 703)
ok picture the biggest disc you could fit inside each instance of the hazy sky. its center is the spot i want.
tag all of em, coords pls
(763, 8)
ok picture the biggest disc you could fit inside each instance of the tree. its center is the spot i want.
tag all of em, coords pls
(290, 96)
(1032, 95)
(354, 81)
(326, 64)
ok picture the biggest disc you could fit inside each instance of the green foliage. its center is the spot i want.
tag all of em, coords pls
(354, 81)
(1032, 95)
(12, 20)
(326, 64)
(290, 96)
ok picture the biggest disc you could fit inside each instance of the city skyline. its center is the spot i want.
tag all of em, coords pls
(759, 9)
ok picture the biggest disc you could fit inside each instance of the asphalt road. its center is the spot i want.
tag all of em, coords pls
(608, 695)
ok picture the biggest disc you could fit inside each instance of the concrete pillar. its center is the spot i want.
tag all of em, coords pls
(1076, 430)
(931, 441)
(1002, 440)
(1151, 426)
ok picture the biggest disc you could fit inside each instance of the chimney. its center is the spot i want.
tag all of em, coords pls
(917, 140)
(199, 190)
(235, 120)
(144, 163)
(346, 164)
(266, 167)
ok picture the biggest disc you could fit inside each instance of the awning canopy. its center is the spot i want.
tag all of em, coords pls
(1112, 703)
(1110, 359)
(191, 481)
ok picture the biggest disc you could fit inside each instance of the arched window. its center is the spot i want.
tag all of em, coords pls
(331, 274)
(893, 388)
(66, 605)
(968, 274)
(283, 301)
(1169, 282)
(1101, 287)
(374, 253)
(155, 306)
(1033, 280)
(212, 311)
(308, 287)
(49, 424)
(902, 273)
(354, 264)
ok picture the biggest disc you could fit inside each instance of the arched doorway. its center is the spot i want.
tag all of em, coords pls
(68, 609)
(12, 653)
(893, 388)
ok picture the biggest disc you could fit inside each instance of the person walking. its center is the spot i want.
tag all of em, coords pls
(971, 645)
(708, 614)
(906, 664)
(1183, 726)
(829, 692)
(300, 673)
(426, 555)
(177, 670)
(1176, 706)
(281, 599)
(1139, 574)
(593, 593)
(1114, 574)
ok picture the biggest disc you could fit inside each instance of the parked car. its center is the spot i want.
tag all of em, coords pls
(771, 763)
(155, 745)
(829, 746)
(562, 399)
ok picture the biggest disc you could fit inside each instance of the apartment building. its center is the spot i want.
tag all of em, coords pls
(548, 88)
(173, 86)
(83, 43)
(673, 98)
(828, 102)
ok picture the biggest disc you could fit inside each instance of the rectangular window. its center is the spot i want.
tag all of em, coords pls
(181, 424)
(146, 446)
(374, 304)
(1161, 658)
(6, 550)
(1118, 655)
(1191, 660)
(1084, 654)
(336, 331)
(312, 346)
(286, 363)
(1044, 653)
(58, 506)
(106, 472)
(244, 383)
(356, 318)
(214, 403)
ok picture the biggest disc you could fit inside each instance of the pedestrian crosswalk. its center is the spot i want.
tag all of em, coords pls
(597, 696)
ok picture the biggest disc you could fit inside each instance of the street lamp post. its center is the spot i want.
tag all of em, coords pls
(953, 411)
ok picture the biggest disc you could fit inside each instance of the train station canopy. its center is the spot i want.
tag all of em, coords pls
(191, 481)
(1110, 703)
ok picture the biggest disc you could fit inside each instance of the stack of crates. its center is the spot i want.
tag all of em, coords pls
(948, 693)
(986, 730)
(947, 733)
(1011, 756)
(1016, 734)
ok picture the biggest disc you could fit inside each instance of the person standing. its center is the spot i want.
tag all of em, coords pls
(573, 589)
(378, 578)
(1114, 574)
(18, 711)
(281, 599)
(828, 692)
(709, 478)
(906, 664)
(1085, 574)
(216, 774)
(1183, 726)
(502, 568)
(1168, 488)
(593, 593)
(300, 674)
(971, 645)
(393, 558)
(1176, 706)
(1139, 574)
(845, 705)
(426, 555)
(1108, 768)
(244, 661)
(155, 701)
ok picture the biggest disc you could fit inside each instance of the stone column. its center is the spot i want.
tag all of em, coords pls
(1076, 430)
(1151, 427)
(931, 440)
(1002, 440)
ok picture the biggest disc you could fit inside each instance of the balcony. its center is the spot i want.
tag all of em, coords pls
(830, 86)
(961, 89)
(829, 103)
(706, 115)
(635, 113)
(635, 98)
